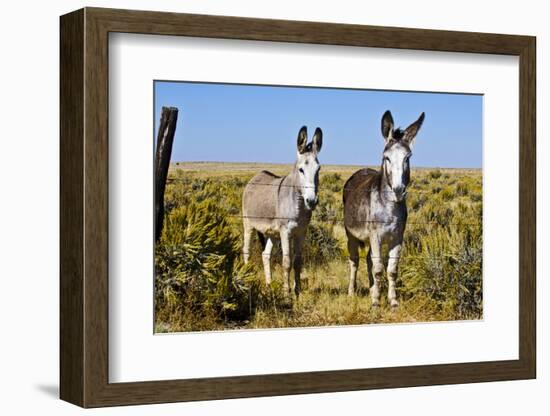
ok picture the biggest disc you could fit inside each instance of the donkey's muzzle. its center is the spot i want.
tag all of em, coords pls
(400, 196)
(400, 192)
(312, 202)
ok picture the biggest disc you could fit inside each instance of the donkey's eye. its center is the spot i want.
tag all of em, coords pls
(301, 171)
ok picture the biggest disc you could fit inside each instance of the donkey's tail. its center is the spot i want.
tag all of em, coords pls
(261, 237)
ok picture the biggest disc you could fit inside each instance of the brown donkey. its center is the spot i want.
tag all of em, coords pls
(280, 207)
(375, 211)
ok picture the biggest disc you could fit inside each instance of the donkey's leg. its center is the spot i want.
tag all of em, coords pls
(394, 255)
(369, 267)
(285, 247)
(247, 240)
(377, 268)
(266, 257)
(353, 250)
(298, 243)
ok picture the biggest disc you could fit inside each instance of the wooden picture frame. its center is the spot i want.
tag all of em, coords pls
(84, 207)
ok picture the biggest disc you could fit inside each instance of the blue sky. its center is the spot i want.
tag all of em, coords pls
(252, 123)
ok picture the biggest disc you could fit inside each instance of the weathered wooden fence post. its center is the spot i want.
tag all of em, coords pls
(165, 139)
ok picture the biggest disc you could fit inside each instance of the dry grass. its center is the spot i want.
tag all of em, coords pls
(440, 271)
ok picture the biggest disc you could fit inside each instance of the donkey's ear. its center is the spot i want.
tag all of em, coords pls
(387, 125)
(317, 140)
(411, 131)
(302, 139)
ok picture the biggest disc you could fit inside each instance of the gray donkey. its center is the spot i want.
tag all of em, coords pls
(375, 211)
(281, 207)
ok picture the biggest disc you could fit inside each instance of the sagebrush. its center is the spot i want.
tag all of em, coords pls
(201, 282)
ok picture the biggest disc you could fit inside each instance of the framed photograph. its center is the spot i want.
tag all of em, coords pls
(255, 207)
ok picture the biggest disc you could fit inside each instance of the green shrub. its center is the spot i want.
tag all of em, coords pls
(435, 174)
(435, 211)
(447, 193)
(416, 200)
(462, 188)
(332, 181)
(320, 246)
(448, 270)
(197, 266)
(329, 208)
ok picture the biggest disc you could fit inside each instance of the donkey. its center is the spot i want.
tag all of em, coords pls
(375, 210)
(280, 207)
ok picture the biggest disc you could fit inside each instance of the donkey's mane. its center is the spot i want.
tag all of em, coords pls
(270, 174)
(398, 133)
(396, 137)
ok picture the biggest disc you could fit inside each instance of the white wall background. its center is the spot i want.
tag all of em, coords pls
(29, 159)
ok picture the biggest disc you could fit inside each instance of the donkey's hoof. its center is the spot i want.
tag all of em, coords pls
(376, 304)
(351, 293)
(394, 303)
